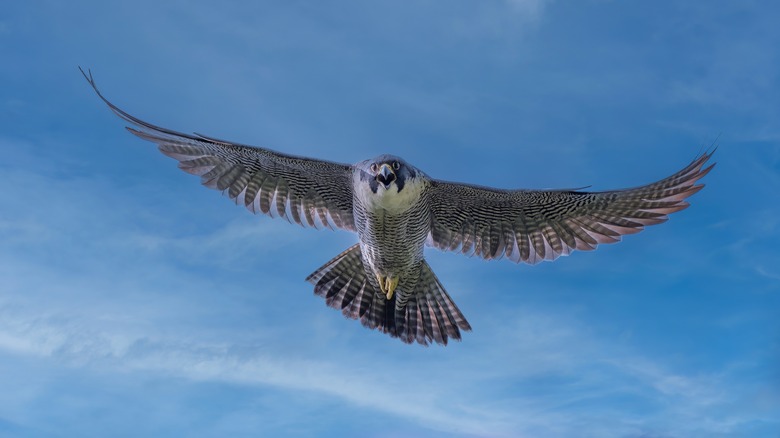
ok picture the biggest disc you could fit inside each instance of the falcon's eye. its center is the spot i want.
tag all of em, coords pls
(396, 165)
(373, 167)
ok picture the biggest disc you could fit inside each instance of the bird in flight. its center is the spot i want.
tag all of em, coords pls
(396, 210)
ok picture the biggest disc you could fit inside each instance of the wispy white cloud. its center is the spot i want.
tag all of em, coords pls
(543, 348)
(762, 270)
(74, 343)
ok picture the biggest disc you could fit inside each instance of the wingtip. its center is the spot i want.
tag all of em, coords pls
(83, 73)
(709, 152)
(707, 169)
(88, 77)
(90, 80)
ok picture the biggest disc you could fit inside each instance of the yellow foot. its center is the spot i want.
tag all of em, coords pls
(390, 284)
(387, 285)
(381, 280)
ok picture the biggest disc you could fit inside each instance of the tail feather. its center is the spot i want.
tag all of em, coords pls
(341, 280)
(380, 315)
(360, 304)
(447, 314)
(424, 315)
(433, 320)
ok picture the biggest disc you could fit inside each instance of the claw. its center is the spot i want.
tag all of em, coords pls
(390, 284)
(381, 280)
(387, 285)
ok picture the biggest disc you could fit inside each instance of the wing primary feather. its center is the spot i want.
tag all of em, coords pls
(544, 224)
(234, 169)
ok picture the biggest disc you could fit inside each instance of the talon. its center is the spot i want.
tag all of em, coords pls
(381, 280)
(390, 285)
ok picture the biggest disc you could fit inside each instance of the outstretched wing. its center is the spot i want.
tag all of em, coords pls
(534, 225)
(303, 190)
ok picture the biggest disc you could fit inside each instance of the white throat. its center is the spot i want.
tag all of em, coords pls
(390, 199)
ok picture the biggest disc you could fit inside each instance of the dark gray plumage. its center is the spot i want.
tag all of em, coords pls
(384, 280)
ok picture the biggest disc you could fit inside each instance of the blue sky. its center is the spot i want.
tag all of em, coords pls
(135, 303)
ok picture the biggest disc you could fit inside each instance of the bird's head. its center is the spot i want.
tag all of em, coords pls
(386, 171)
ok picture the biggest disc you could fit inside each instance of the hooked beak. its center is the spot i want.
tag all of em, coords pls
(385, 176)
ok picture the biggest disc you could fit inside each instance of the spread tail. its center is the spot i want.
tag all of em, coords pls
(427, 314)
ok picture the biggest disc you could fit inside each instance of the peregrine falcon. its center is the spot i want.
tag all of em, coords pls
(396, 210)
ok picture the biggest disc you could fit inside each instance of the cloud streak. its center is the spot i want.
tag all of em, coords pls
(542, 347)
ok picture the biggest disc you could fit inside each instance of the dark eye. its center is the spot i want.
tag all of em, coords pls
(373, 167)
(396, 165)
